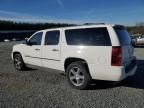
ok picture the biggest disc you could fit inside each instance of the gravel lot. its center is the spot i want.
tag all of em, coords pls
(48, 89)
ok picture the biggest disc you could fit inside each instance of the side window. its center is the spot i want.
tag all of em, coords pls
(36, 39)
(52, 38)
(88, 36)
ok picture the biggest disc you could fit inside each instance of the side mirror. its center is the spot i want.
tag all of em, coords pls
(27, 42)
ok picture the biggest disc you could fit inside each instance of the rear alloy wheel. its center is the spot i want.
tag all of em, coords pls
(78, 76)
(18, 62)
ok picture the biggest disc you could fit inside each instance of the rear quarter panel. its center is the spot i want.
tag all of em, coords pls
(100, 56)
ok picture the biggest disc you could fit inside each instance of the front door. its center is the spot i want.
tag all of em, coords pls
(32, 52)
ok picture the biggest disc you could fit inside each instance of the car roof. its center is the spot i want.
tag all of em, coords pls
(81, 26)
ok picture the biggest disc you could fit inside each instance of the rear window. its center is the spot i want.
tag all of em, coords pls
(88, 36)
(123, 35)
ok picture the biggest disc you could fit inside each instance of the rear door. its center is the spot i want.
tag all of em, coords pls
(51, 49)
(125, 42)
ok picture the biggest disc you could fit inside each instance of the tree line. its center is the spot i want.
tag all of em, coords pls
(10, 25)
(19, 26)
(32, 27)
(136, 30)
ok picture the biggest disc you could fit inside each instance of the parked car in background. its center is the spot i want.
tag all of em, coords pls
(138, 41)
(6, 40)
(14, 39)
(101, 52)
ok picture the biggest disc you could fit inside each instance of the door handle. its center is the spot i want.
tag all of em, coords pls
(37, 49)
(55, 50)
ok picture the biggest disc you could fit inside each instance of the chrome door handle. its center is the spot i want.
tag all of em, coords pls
(37, 49)
(55, 50)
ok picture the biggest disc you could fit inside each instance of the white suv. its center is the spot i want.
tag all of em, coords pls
(101, 52)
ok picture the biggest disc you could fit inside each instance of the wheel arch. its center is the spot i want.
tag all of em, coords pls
(15, 52)
(70, 60)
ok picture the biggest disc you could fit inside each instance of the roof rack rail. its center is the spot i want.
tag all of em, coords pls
(93, 23)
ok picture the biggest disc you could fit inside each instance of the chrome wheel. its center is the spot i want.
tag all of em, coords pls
(76, 76)
(18, 62)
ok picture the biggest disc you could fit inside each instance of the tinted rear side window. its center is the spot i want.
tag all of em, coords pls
(52, 38)
(123, 35)
(88, 36)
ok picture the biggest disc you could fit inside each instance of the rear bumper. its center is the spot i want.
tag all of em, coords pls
(113, 73)
(130, 73)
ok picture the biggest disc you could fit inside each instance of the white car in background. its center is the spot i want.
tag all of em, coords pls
(14, 39)
(140, 41)
(6, 40)
(101, 52)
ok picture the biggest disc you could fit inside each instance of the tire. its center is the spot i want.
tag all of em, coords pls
(18, 62)
(78, 76)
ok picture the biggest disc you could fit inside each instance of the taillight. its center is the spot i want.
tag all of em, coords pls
(116, 56)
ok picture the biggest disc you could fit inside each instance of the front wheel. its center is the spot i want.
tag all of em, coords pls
(78, 75)
(18, 62)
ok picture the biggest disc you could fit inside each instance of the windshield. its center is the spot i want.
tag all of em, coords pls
(123, 35)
